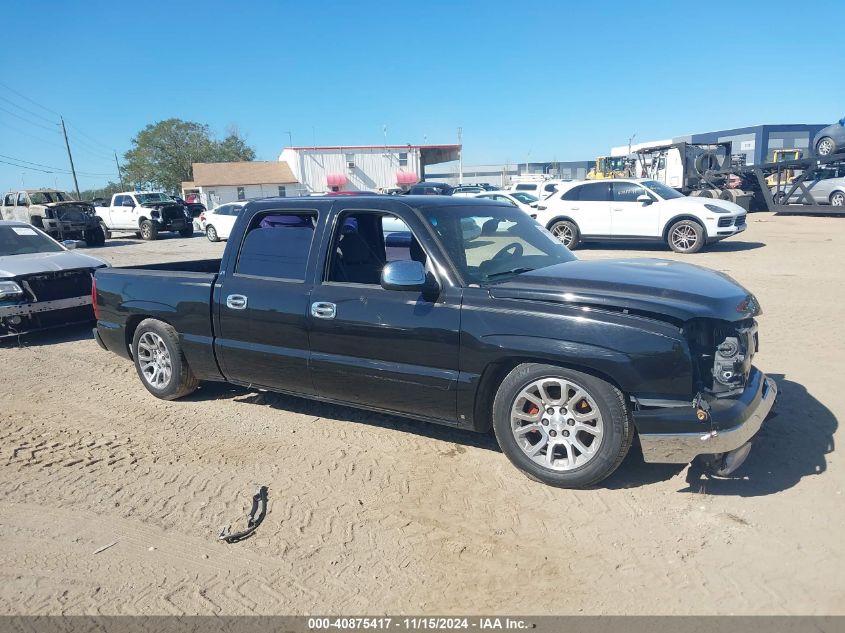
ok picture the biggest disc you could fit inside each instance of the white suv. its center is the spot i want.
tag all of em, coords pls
(637, 209)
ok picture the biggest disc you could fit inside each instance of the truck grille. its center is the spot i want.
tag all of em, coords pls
(58, 285)
(173, 212)
(723, 222)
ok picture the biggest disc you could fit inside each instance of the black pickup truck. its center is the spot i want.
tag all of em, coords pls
(458, 311)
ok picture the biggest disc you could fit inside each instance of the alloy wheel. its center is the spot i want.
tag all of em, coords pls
(684, 237)
(838, 199)
(563, 232)
(557, 423)
(154, 360)
(825, 147)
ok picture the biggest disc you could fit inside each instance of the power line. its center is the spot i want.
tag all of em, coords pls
(29, 162)
(30, 112)
(89, 137)
(43, 107)
(43, 171)
(23, 118)
(33, 136)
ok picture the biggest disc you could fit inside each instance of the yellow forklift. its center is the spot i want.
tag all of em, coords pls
(611, 167)
(787, 175)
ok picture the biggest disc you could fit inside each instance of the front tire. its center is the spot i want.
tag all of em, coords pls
(561, 427)
(686, 236)
(149, 231)
(188, 231)
(159, 361)
(211, 234)
(567, 232)
(825, 146)
(105, 230)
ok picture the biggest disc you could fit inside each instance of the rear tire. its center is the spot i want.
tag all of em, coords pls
(686, 236)
(837, 199)
(211, 234)
(159, 361)
(95, 237)
(567, 232)
(105, 230)
(605, 445)
(149, 231)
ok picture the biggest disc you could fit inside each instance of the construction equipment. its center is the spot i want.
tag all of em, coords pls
(787, 175)
(611, 167)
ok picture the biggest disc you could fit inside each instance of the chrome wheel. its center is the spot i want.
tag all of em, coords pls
(211, 234)
(154, 360)
(557, 423)
(684, 237)
(563, 232)
(838, 199)
(825, 147)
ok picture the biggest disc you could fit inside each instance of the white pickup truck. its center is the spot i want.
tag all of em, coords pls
(145, 213)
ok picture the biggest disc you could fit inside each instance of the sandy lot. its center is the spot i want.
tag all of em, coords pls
(373, 514)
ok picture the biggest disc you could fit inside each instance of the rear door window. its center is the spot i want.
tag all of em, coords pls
(277, 245)
(598, 192)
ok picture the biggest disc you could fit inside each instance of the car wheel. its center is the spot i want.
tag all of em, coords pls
(188, 231)
(780, 197)
(149, 231)
(837, 199)
(561, 427)
(825, 146)
(567, 232)
(211, 233)
(159, 361)
(105, 230)
(686, 236)
(95, 237)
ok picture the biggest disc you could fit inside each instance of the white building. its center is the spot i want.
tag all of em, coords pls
(364, 167)
(218, 183)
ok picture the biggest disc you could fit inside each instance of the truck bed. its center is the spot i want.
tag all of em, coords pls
(178, 293)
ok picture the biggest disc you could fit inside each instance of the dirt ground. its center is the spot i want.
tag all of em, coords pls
(372, 514)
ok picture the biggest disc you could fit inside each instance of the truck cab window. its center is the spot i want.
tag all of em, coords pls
(364, 242)
(277, 245)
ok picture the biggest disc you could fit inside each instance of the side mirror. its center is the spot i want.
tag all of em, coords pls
(644, 199)
(129, 203)
(403, 275)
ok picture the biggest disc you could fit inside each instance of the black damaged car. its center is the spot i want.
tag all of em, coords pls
(458, 311)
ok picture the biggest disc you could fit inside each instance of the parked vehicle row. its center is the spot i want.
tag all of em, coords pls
(484, 321)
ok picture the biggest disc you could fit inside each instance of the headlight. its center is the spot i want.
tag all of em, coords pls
(715, 209)
(9, 289)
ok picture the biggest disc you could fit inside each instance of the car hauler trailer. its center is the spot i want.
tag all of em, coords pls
(709, 170)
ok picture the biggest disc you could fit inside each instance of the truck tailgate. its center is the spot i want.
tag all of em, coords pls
(126, 296)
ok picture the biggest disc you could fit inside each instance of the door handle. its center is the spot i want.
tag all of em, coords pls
(236, 302)
(618, 209)
(574, 208)
(323, 310)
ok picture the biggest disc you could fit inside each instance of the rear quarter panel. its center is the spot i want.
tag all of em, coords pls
(125, 297)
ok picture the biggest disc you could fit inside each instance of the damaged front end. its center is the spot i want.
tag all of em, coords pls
(731, 400)
(67, 219)
(45, 300)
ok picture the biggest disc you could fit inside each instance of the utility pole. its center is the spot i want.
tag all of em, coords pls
(290, 139)
(119, 173)
(631, 140)
(460, 156)
(70, 158)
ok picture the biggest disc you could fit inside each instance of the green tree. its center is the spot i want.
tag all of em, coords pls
(162, 153)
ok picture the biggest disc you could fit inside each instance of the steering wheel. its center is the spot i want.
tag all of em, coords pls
(505, 252)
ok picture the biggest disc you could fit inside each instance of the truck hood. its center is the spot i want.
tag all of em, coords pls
(653, 286)
(34, 263)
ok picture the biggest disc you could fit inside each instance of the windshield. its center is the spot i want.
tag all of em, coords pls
(489, 244)
(46, 197)
(664, 191)
(525, 198)
(144, 198)
(23, 240)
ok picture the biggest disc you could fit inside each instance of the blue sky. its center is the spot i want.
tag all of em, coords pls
(553, 81)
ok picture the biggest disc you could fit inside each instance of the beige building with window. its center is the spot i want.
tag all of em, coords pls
(219, 183)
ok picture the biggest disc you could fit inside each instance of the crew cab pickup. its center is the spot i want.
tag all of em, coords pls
(146, 213)
(392, 304)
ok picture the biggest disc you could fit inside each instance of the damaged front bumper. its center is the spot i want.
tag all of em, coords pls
(731, 424)
(23, 318)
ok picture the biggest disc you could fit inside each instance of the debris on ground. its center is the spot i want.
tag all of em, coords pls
(256, 516)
